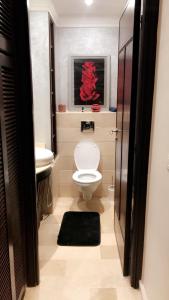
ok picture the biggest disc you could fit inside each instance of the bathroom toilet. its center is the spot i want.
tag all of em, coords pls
(87, 178)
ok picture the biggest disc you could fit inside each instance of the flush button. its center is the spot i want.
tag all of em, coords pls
(87, 126)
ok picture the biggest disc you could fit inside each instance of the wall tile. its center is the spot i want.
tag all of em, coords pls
(66, 149)
(75, 135)
(65, 177)
(107, 162)
(67, 163)
(108, 177)
(107, 148)
(73, 119)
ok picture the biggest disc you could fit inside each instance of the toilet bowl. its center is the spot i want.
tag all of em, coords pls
(87, 178)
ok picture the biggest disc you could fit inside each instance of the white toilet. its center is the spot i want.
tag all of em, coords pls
(87, 158)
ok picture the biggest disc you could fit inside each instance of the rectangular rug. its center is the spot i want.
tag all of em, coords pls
(80, 229)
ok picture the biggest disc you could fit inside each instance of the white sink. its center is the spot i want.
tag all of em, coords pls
(43, 157)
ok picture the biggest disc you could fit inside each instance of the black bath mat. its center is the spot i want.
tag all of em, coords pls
(80, 229)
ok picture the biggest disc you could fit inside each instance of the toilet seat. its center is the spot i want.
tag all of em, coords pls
(87, 176)
(87, 156)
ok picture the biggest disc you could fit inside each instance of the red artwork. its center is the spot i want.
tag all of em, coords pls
(89, 80)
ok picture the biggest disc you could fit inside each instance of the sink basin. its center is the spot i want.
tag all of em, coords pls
(43, 157)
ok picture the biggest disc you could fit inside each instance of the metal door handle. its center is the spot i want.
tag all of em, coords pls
(116, 130)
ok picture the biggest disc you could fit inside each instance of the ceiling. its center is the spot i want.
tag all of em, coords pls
(100, 8)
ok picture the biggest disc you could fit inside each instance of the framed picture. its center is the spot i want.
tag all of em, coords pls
(89, 81)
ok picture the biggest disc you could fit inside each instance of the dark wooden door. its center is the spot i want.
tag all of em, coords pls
(126, 109)
(17, 174)
(5, 277)
(119, 124)
(12, 172)
(10, 158)
(125, 135)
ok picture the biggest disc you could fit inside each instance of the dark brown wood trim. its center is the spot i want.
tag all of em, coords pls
(26, 132)
(52, 86)
(136, 38)
(147, 62)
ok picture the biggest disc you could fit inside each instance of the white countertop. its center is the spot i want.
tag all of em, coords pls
(42, 169)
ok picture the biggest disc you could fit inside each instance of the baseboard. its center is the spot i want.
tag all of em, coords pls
(143, 291)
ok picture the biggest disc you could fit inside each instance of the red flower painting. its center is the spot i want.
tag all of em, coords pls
(89, 80)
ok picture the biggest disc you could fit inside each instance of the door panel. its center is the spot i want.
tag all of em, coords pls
(119, 124)
(129, 30)
(127, 24)
(5, 281)
(126, 131)
(14, 273)
(17, 175)
(6, 25)
(12, 172)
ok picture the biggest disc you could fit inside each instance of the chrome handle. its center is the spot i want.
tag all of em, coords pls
(116, 130)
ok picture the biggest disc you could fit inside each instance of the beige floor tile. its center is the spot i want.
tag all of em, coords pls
(51, 219)
(61, 210)
(62, 201)
(109, 252)
(53, 268)
(56, 293)
(95, 273)
(85, 273)
(128, 293)
(59, 252)
(97, 204)
(68, 189)
(93, 205)
(103, 294)
(108, 239)
(48, 234)
(47, 252)
(107, 224)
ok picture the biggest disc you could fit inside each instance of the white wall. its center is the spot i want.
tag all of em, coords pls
(84, 41)
(155, 279)
(39, 35)
(44, 5)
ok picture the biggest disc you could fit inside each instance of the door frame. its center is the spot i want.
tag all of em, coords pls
(143, 130)
(147, 62)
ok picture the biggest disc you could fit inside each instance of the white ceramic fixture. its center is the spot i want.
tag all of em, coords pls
(87, 178)
(43, 157)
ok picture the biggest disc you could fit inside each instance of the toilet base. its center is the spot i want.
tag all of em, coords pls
(87, 196)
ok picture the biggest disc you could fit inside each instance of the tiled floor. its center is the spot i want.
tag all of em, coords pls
(80, 273)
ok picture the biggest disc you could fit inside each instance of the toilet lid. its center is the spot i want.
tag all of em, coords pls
(87, 156)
